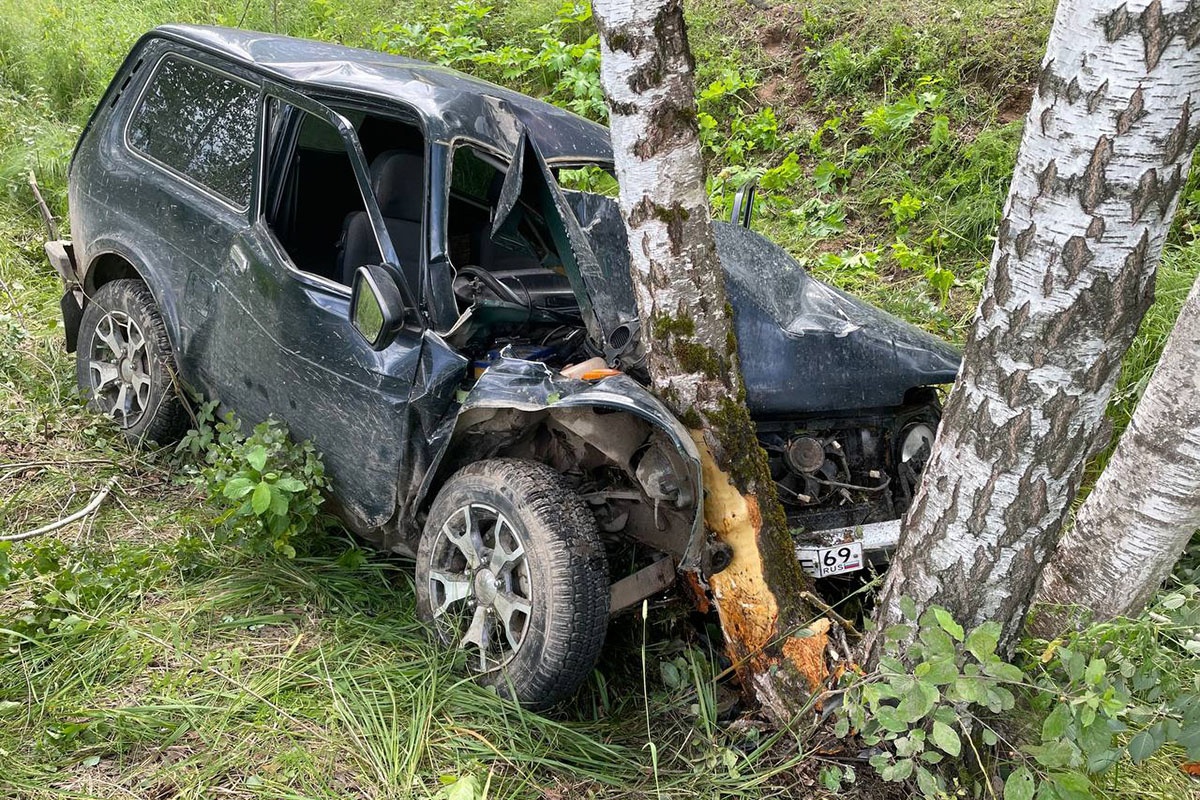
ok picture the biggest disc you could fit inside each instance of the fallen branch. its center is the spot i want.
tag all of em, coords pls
(828, 609)
(92, 505)
(47, 217)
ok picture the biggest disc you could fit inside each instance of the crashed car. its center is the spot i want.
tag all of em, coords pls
(388, 256)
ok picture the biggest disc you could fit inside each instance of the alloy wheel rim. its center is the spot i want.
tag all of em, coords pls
(119, 368)
(480, 588)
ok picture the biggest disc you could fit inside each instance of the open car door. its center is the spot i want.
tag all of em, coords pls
(531, 195)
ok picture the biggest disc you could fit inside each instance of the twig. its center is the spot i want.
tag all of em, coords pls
(835, 616)
(95, 502)
(23, 465)
(47, 217)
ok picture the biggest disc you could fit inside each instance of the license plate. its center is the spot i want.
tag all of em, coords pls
(821, 562)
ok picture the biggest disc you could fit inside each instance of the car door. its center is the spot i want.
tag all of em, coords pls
(179, 184)
(288, 347)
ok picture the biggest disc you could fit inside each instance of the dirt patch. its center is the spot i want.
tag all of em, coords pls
(1016, 106)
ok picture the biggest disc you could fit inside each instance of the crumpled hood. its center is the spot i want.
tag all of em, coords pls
(805, 347)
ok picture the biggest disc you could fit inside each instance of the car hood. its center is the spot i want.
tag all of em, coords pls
(805, 347)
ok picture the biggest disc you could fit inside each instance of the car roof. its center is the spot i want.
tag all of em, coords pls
(450, 103)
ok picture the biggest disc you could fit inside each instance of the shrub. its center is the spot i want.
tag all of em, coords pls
(269, 487)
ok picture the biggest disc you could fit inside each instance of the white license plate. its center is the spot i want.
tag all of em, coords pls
(821, 562)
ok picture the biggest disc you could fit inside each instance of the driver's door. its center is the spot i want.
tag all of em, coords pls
(285, 346)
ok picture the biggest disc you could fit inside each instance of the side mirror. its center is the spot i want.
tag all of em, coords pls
(743, 203)
(376, 306)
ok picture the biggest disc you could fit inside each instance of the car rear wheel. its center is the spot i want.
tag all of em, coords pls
(124, 365)
(510, 568)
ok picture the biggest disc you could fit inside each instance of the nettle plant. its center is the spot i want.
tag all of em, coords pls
(270, 486)
(1079, 706)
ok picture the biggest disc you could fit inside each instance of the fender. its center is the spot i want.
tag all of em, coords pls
(538, 394)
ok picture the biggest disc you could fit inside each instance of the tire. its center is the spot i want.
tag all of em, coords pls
(539, 655)
(129, 382)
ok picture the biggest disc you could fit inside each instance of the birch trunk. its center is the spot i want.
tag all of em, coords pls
(692, 359)
(1105, 150)
(1145, 507)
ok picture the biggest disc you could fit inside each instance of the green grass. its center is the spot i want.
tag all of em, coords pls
(143, 660)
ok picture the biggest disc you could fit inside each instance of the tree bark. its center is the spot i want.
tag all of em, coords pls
(1145, 507)
(691, 350)
(1105, 151)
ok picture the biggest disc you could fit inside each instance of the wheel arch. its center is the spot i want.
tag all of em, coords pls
(111, 263)
(592, 438)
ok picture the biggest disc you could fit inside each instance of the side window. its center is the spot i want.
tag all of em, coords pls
(200, 124)
(315, 206)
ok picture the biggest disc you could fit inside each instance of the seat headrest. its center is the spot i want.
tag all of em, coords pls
(398, 180)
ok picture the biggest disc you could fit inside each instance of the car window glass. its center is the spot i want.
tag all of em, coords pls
(315, 205)
(200, 124)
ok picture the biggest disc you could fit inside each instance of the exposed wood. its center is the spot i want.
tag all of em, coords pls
(688, 337)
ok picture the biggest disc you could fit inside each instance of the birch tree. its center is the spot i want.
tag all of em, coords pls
(692, 358)
(1105, 150)
(1145, 507)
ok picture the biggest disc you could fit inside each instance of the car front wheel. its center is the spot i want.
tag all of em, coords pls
(124, 364)
(510, 569)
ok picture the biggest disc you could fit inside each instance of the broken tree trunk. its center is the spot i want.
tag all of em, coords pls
(691, 351)
(1106, 148)
(1145, 507)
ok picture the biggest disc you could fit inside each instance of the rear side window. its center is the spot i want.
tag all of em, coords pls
(200, 124)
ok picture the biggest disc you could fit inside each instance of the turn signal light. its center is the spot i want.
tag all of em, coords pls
(597, 374)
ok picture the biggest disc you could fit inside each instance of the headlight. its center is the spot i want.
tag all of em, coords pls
(915, 436)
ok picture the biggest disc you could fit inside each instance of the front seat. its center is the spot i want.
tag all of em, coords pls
(398, 181)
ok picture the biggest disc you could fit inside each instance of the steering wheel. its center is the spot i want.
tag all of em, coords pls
(498, 287)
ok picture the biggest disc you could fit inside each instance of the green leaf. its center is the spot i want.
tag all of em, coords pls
(279, 504)
(237, 488)
(939, 671)
(927, 783)
(1056, 723)
(261, 500)
(1072, 786)
(918, 702)
(1020, 785)
(890, 720)
(831, 778)
(982, 641)
(908, 608)
(902, 769)
(290, 484)
(1002, 670)
(1096, 669)
(1142, 746)
(946, 739)
(256, 456)
(948, 623)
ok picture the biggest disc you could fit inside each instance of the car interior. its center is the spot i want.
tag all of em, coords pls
(318, 214)
(510, 288)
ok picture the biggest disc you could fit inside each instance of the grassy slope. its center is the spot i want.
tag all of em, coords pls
(183, 669)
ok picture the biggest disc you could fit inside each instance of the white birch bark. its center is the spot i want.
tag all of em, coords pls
(1145, 507)
(691, 351)
(1105, 150)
